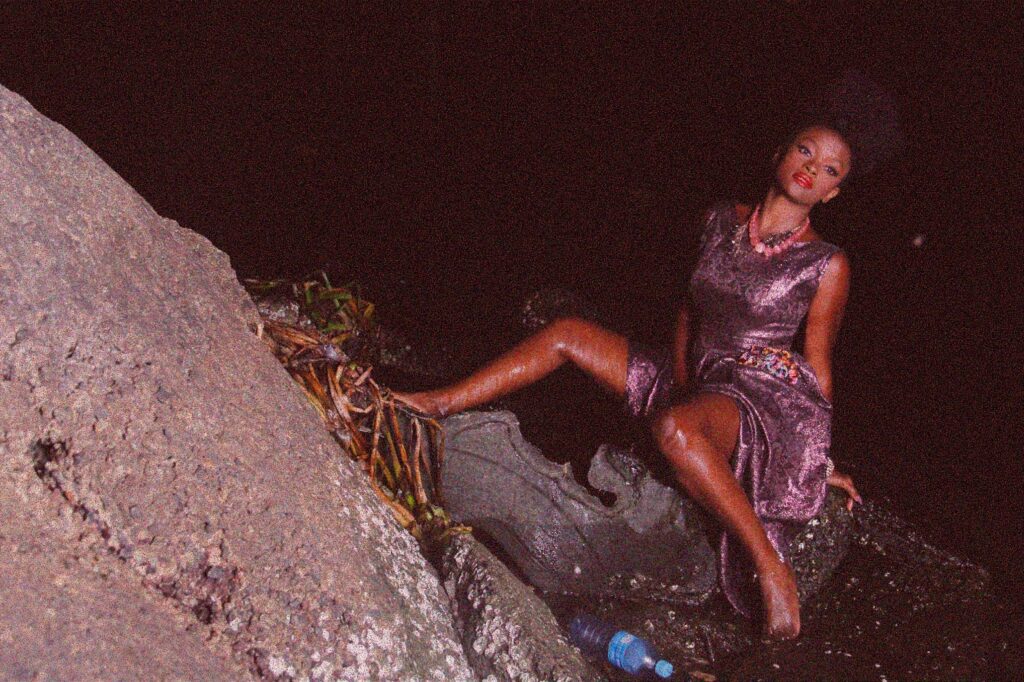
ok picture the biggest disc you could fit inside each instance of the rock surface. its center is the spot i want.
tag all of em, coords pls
(895, 608)
(508, 632)
(70, 609)
(178, 504)
(545, 306)
(559, 535)
(564, 539)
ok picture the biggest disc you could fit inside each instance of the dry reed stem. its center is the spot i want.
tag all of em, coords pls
(418, 493)
(337, 387)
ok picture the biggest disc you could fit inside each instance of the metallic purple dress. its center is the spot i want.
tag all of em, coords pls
(747, 310)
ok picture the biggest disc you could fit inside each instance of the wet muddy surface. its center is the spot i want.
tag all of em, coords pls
(896, 609)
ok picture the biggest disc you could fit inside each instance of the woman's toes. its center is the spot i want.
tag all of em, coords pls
(421, 402)
(781, 603)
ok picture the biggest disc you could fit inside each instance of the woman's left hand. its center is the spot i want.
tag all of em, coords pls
(840, 480)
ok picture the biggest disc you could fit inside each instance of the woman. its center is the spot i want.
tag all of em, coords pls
(750, 440)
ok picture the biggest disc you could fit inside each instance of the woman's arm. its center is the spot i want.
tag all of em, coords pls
(680, 347)
(824, 318)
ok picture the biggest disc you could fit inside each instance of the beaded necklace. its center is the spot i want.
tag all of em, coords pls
(773, 244)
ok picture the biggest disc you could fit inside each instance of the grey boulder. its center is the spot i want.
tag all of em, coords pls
(507, 631)
(166, 464)
(651, 543)
(561, 537)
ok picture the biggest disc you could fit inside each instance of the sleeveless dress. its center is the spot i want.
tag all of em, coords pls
(747, 310)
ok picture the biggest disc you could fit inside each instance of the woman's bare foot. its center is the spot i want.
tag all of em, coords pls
(426, 402)
(781, 602)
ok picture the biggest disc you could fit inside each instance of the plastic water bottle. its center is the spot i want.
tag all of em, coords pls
(623, 649)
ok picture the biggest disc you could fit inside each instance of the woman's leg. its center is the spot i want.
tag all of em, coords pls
(598, 352)
(698, 438)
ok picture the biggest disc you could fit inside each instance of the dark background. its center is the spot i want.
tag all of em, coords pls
(453, 158)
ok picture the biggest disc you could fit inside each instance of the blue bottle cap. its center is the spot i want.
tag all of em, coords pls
(663, 669)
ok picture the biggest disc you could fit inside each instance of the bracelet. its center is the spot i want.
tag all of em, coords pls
(830, 467)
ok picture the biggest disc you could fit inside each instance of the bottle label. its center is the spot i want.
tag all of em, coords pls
(620, 641)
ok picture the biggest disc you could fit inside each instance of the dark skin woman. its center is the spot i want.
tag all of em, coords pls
(698, 436)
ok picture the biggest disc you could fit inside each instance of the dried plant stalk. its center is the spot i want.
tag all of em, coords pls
(363, 417)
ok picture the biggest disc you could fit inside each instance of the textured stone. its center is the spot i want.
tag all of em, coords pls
(559, 535)
(182, 459)
(822, 545)
(545, 306)
(508, 632)
(564, 539)
(70, 610)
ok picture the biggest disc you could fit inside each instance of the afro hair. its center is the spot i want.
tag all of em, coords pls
(863, 114)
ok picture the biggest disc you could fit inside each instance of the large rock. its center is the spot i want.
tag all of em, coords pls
(651, 543)
(508, 632)
(72, 610)
(559, 535)
(163, 464)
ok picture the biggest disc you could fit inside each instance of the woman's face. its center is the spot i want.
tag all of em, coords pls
(813, 165)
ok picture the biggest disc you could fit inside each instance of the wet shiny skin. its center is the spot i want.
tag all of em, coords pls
(699, 435)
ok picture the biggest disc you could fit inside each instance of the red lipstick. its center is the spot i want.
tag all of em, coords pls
(803, 179)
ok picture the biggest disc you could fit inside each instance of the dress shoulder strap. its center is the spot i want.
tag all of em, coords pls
(828, 250)
(717, 220)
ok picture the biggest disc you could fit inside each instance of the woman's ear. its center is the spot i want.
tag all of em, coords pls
(830, 196)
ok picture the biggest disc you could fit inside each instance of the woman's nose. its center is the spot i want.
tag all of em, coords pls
(811, 170)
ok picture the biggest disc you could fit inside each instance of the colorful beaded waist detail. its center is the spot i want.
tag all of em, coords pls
(776, 361)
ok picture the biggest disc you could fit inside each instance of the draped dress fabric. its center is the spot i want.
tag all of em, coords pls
(740, 300)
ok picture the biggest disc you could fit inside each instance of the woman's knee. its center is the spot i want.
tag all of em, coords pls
(599, 352)
(691, 434)
(675, 432)
(567, 334)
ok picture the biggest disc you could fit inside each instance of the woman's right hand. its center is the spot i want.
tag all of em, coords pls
(840, 480)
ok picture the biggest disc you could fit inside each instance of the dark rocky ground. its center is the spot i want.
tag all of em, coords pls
(899, 606)
(883, 602)
(896, 609)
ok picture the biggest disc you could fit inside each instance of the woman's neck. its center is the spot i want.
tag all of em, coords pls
(779, 213)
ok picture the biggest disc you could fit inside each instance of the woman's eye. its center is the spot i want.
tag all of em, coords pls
(803, 150)
(832, 171)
